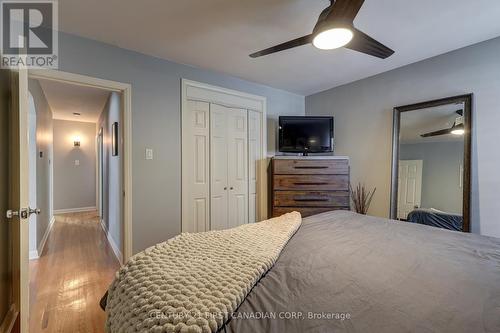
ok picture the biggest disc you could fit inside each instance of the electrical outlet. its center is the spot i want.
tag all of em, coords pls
(149, 153)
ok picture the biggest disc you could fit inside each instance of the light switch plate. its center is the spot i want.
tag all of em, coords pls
(77, 162)
(149, 153)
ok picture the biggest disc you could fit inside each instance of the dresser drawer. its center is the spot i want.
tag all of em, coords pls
(311, 182)
(310, 167)
(311, 198)
(304, 211)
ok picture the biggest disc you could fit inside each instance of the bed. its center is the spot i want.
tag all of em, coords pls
(436, 218)
(346, 272)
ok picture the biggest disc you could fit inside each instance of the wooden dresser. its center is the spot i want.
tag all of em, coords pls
(309, 185)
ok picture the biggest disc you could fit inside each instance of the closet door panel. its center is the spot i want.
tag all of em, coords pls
(196, 169)
(238, 166)
(219, 167)
(254, 158)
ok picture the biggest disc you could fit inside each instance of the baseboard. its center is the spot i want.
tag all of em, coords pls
(114, 247)
(10, 319)
(33, 255)
(45, 236)
(75, 210)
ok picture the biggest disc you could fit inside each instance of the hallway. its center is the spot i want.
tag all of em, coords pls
(67, 281)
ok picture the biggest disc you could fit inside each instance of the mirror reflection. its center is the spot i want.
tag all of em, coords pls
(430, 166)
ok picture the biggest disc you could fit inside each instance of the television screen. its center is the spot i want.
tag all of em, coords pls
(305, 134)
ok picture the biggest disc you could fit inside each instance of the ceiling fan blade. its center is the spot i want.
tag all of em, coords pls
(284, 46)
(345, 9)
(363, 43)
(437, 133)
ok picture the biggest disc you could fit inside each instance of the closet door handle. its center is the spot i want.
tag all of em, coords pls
(311, 167)
(225, 188)
(231, 188)
(299, 199)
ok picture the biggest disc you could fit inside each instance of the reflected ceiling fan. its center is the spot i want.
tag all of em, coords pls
(335, 29)
(457, 128)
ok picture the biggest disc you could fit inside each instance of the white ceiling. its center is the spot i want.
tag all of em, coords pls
(415, 123)
(64, 99)
(220, 34)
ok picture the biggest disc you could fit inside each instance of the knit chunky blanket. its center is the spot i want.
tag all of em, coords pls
(192, 283)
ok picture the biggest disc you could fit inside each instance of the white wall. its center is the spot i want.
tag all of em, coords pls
(74, 185)
(363, 112)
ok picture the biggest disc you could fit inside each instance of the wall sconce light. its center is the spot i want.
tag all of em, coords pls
(76, 141)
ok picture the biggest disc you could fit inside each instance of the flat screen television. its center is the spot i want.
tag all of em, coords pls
(305, 134)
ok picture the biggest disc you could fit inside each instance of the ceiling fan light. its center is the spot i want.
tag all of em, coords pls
(333, 38)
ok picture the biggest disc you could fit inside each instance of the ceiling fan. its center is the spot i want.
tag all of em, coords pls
(335, 29)
(457, 128)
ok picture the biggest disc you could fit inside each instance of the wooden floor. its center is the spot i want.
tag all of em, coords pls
(68, 280)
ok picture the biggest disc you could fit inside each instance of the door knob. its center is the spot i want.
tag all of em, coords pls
(11, 213)
(24, 213)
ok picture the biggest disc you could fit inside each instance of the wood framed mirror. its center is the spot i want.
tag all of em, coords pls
(431, 163)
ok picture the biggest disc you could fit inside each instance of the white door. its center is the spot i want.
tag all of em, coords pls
(409, 187)
(254, 159)
(195, 167)
(14, 200)
(238, 166)
(229, 167)
(219, 215)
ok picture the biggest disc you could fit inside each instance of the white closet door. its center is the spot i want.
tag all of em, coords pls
(254, 158)
(196, 207)
(219, 166)
(409, 186)
(238, 166)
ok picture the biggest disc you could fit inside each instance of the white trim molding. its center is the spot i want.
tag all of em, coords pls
(126, 91)
(197, 91)
(75, 210)
(112, 244)
(41, 246)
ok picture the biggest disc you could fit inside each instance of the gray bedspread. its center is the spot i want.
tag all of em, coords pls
(363, 274)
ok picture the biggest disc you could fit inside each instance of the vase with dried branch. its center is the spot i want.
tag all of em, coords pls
(361, 198)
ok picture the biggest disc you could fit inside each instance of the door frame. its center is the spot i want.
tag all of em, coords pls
(99, 178)
(32, 145)
(202, 92)
(126, 92)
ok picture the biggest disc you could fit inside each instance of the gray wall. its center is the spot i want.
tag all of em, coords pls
(363, 112)
(44, 143)
(440, 173)
(112, 169)
(156, 99)
(74, 185)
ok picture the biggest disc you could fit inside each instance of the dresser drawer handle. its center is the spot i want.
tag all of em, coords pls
(310, 199)
(311, 167)
(306, 183)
